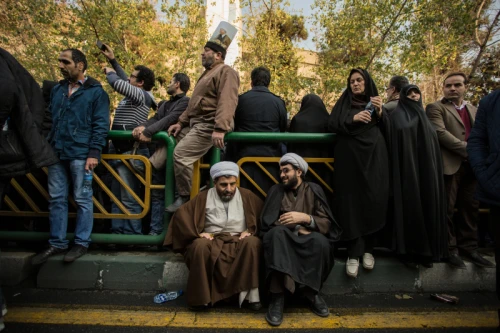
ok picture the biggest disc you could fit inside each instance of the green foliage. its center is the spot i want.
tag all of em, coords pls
(35, 31)
(422, 39)
(268, 41)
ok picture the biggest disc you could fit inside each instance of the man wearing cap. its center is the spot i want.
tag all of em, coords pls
(215, 233)
(208, 117)
(298, 231)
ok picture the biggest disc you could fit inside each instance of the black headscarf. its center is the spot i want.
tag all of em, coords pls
(419, 210)
(311, 118)
(347, 101)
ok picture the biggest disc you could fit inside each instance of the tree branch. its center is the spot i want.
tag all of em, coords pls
(483, 44)
(386, 33)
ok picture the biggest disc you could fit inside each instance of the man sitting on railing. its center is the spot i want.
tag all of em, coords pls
(298, 231)
(207, 119)
(132, 111)
(215, 232)
(167, 115)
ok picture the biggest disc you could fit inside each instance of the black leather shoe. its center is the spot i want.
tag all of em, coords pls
(76, 252)
(42, 257)
(319, 307)
(256, 306)
(198, 308)
(274, 315)
(181, 200)
(477, 260)
(455, 261)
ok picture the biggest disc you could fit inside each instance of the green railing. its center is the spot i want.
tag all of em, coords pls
(170, 180)
(115, 238)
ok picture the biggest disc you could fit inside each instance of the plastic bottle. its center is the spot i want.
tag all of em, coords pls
(6, 125)
(87, 181)
(170, 296)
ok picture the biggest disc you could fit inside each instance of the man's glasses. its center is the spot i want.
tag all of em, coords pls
(133, 76)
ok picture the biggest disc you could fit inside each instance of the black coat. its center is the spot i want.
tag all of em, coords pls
(258, 110)
(308, 259)
(22, 146)
(483, 148)
(361, 176)
(419, 209)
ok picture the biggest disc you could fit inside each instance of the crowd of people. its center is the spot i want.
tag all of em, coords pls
(406, 177)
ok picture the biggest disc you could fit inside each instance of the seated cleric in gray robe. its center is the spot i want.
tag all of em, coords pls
(298, 231)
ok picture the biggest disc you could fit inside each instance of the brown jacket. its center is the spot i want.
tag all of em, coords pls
(451, 132)
(214, 99)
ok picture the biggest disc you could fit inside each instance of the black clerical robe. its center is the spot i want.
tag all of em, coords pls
(307, 259)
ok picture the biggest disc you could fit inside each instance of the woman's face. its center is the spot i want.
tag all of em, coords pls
(414, 95)
(357, 83)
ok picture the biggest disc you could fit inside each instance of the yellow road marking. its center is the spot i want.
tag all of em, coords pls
(219, 320)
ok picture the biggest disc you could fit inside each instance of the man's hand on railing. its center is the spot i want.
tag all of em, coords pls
(137, 132)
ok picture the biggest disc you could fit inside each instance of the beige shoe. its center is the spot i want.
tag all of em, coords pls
(368, 261)
(351, 267)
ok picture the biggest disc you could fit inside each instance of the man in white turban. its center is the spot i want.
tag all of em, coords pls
(298, 231)
(215, 233)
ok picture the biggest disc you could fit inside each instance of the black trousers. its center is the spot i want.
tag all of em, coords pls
(359, 246)
(495, 229)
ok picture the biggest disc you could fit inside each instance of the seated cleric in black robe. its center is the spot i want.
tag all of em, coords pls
(298, 231)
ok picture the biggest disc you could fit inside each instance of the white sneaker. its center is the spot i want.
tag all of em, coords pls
(351, 267)
(368, 261)
(2, 325)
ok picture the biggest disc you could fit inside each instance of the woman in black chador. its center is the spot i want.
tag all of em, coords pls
(361, 176)
(311, 118)
(419, 208)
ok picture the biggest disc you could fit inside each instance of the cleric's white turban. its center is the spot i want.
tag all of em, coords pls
(295, 160)
(224, 169)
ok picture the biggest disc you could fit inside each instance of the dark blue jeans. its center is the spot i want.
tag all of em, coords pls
(126, 226)
(157, 202)
(60, 176)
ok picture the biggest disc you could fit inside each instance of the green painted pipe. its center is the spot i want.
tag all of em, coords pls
(280, 137)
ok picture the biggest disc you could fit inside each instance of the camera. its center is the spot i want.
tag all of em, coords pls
(100, 45)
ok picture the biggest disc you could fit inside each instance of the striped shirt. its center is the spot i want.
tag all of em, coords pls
(134, 108)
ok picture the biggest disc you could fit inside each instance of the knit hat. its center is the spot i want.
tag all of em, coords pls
(222, 38)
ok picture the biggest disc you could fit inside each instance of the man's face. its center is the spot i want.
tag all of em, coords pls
(133, 79)
(172, 87)
(389, 92)
(222, 31)
(290, 177)
(454, 88)
(209, 57)
(68, 68)
(226, 187)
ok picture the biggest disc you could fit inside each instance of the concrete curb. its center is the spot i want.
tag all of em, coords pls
(150, 271)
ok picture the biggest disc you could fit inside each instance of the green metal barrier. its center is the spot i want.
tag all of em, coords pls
(115, 238)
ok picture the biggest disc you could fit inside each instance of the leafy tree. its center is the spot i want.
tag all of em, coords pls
(268, 41)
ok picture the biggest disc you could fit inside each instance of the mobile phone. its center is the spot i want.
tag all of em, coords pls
(370, 108)
(100, 45)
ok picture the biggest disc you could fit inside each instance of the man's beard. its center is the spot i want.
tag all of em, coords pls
(292, 182)
(208, 62)
(226, 196)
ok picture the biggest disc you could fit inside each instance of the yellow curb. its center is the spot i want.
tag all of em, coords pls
(103, 317)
